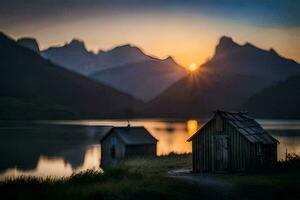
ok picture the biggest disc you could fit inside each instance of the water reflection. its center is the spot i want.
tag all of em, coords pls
(59, 148)
(192, 126)
(289, 142)
(57, 166)
(171, 135)
(287, 145)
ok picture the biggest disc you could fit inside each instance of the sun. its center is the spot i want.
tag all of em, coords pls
(193, 67)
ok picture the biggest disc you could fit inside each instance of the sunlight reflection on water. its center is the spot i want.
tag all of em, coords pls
(57, 166)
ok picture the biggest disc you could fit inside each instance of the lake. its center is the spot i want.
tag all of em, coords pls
(60, 148)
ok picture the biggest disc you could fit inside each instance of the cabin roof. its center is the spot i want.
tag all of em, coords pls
(247, 126)
(132, 135)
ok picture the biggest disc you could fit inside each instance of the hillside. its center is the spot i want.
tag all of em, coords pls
(144, 80)
(279, 101)
(199, 95)
(32, 87)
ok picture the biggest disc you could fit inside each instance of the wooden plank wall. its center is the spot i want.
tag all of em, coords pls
(241, 152)
(202, 158)
(239, 149)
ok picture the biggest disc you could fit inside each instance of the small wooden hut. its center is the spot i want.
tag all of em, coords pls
(232, 141)
(126, 142)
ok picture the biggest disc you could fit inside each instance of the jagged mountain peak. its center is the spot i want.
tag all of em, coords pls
(170, 60)
(126, 48)
(226, 44)
(76, 43)
(273, 51)
(248, 44)
(30, 43)
(27, 39)
(250, 60)
(226, 39)
(2, 35)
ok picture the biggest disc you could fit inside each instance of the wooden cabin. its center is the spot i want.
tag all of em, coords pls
(232, 141)
(126, 142)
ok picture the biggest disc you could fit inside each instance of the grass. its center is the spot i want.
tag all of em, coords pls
(159, 165)
(135, 179)
(145, 178)
(265, 186)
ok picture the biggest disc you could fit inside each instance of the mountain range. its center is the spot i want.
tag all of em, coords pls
(234, 74)
(75, 57)
(35, 88)
(235, 77)
(124, 67)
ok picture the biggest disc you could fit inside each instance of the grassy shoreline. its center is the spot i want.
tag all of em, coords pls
(134, 179)
(146, 178)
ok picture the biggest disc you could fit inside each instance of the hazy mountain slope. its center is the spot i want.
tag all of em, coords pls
(279, 101)
(26, 76)
(234, 74)
(143, 80)
(199, 95)
(75, 57)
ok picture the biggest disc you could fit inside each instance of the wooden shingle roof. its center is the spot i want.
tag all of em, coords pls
(247, 126)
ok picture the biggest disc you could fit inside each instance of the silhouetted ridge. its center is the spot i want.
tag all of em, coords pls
(3, 36)
(225, 40)
(75, 57)
(76, 44)
(170, 61)
(4, 39)
(125, 46)
(226, 44)
(29, 43)
(125, 49)
(250, 60)
(273, 52)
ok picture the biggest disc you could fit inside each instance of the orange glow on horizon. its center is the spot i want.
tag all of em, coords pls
(187, 37)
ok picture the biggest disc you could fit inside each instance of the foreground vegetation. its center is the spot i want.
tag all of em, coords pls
(131, 180)
(147, 179)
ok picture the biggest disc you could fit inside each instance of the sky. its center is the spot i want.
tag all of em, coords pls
(187, 30)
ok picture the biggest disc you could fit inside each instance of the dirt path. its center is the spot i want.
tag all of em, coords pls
(212, 187)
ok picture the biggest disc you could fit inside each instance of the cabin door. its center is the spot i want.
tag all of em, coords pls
(220, 153)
